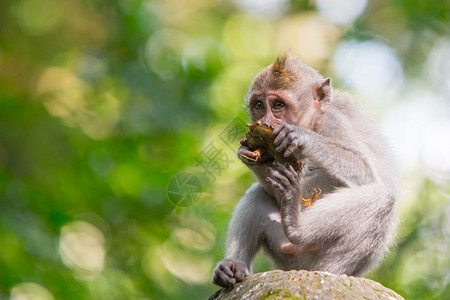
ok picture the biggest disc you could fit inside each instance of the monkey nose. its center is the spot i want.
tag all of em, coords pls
(271, 122)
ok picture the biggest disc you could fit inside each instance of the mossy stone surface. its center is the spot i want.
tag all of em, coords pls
(305, 285)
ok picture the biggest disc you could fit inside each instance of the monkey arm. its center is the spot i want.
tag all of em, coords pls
(250, 225)
(286, 184)
(348, 164)
(245, 229)
(361, 214)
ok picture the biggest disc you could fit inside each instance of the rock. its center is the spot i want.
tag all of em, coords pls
(305, 285)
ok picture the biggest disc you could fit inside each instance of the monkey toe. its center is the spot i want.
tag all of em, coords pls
(226, 270)
(239, 275)
(222, 279)
(241, 271)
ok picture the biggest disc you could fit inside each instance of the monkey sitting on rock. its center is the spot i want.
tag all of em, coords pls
(344, 156)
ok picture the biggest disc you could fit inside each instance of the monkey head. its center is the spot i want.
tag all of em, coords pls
(288, 91)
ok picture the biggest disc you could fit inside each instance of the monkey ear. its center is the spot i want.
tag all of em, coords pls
(322, 94)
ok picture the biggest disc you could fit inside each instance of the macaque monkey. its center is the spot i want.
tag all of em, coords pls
(352, 223)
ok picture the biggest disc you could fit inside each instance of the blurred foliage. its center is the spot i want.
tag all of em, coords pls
(102, 103)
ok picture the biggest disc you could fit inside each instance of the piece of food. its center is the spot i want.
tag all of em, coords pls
(260, 139)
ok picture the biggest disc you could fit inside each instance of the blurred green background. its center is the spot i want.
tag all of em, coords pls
(103, 103)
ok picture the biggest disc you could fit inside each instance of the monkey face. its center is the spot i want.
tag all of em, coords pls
(288, 91)
(273, 108)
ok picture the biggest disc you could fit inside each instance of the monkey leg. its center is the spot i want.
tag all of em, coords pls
(256, 222)
(353, 225)
(246, 226)
(285, 254)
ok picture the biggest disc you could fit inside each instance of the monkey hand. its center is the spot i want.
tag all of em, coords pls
(228, 272)
(250, 157)
(289, 138)
(285, 182)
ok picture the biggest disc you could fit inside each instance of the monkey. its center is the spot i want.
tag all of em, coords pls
(352, 224)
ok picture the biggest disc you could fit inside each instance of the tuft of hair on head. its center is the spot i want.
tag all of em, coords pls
(284, 72)
(280, 64)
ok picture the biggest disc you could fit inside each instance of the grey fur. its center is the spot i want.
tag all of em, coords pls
(354, 221)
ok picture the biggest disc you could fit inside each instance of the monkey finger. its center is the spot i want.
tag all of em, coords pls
(291, 148)
(274, 184)
(281, 136)
(279, 165)
(279, 128)
(287, 173)
(275, 174)
(293, 172)
(283, 144)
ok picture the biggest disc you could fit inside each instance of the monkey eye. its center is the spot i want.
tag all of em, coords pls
(278, 105)
(259, 105)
